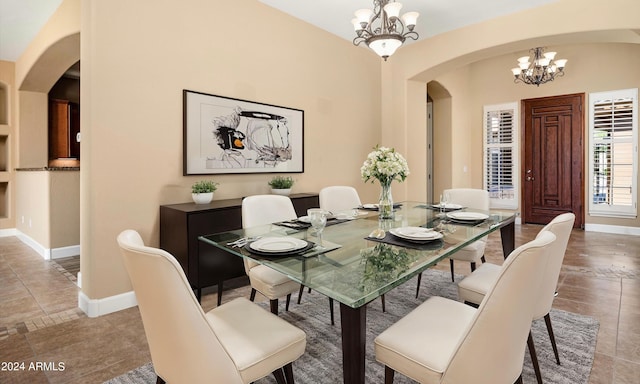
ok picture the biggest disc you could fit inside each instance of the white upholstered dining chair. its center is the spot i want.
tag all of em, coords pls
(472, 253)
(446, 342)
(237, 342)
(259, 210)
(337, 198)
(473, 288)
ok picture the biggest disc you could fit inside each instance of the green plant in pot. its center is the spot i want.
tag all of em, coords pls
(281, 185)
(202, 191)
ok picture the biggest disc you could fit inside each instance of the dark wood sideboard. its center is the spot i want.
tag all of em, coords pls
(205, 265)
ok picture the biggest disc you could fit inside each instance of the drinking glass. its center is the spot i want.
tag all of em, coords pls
(318, 220)
(444, 199)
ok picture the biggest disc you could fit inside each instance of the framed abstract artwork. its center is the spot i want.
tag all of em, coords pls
(223, 135)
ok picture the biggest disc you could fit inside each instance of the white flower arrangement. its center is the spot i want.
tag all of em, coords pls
(385, 165)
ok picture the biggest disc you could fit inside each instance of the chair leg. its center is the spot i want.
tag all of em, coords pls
(286, 307)
(388, 375)
(547, 320)
(473, 266)
(418, 287)
(534, 358)
(274, 306)
(159, 380)
(252, 296)
(300, 293)
(384, 305)
(451, 263)
(483, 259)
(331, 310)
(288, 373)
(220, 289)
(279, 376)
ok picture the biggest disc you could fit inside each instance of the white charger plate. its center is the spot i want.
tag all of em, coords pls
(278, 244)
(416, 233)
(467, 216)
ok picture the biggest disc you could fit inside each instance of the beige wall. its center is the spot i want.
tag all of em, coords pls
(135, 64)
(591, 68)
(474, 63)
(33, 205)
(65, 208)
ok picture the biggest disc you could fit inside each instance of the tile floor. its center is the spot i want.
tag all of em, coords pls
(40, 321)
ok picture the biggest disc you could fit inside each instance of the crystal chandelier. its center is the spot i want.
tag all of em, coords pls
(539, 70)
(382, 28)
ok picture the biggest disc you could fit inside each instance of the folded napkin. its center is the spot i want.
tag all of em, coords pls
(297, 224)
(423, 246)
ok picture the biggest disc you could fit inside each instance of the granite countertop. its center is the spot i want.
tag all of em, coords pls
(49, 169)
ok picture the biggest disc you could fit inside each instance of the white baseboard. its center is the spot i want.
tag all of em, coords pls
(42, 251)
(617, 229)
(59, 253)
(107, 305)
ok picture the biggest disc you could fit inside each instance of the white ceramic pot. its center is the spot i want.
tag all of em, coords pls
(202, 198)
(284, 192)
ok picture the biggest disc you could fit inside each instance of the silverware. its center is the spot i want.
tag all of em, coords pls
(243, 241)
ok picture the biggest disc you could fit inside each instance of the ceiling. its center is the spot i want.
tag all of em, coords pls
(20, 20)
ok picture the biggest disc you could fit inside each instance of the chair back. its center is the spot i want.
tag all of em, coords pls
(493, 349)
(469, 197)
(560, 226)
(184, 348)
(260, 210)
(338, 198)
(264, 209)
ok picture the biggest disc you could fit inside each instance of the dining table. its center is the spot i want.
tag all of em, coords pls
(361, 258)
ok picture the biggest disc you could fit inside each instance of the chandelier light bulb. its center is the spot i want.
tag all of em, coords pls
(516, 71)
(364, 16)
(550, 55)
(410, 19)
(356, 25)
(392, 10)
(561, 63)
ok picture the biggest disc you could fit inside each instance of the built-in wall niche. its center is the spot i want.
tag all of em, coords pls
(4, 104)
(4, 153)
(4, 199)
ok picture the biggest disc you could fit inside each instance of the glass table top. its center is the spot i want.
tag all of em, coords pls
(355, 269)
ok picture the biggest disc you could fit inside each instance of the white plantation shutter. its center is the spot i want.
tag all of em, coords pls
(500, 160)
(613, 130)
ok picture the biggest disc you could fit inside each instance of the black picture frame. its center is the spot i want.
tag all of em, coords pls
(224, 135)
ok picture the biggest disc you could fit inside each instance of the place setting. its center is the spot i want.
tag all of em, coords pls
(409, 237)
(466, 217)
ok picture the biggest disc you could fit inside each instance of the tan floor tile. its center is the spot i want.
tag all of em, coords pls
(602, 370)
(13, 311)
(626, 372)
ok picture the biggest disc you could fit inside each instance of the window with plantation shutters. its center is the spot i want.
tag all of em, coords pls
(500, 155)
(613, 155)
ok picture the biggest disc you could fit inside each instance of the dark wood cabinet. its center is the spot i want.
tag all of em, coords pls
(205, 265)
(64, 125)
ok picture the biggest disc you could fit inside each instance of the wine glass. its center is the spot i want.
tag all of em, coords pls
(318, 220)
(444, 199)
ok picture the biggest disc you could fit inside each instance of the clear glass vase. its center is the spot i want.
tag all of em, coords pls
(385, 205)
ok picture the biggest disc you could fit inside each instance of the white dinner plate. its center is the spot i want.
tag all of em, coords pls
(304, 219)
(467, 216)
(416, 233)
(278, 244)
(370, 206)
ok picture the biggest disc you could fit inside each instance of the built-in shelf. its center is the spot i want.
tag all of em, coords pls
(4, 200)
(4, 153)
(4, 104)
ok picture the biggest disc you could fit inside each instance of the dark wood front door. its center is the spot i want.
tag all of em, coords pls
(553, 160)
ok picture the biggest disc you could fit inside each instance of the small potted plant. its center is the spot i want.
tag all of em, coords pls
(281, 185)
(202, 191)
